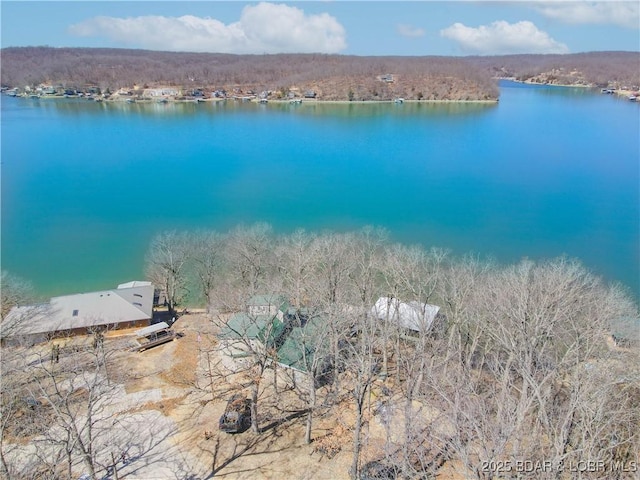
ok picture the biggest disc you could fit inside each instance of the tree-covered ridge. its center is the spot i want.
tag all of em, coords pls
(620, 70)
(330, 77)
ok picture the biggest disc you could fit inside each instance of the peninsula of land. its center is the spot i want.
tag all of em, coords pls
(139, 75)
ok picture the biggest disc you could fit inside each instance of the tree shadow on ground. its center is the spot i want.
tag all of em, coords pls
(267, 437)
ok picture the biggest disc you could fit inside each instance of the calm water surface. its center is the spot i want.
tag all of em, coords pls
(546, 172)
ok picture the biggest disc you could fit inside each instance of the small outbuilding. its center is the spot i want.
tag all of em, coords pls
(413, 316)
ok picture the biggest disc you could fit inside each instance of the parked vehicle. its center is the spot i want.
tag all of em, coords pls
(237, 415)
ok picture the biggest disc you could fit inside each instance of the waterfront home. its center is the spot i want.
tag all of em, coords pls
(289, 338)
(257, 328)
(271, 304)
(128, 306)
(160, 92)
(302, 348)
(413, 317)
(245, 334)
(46, 90)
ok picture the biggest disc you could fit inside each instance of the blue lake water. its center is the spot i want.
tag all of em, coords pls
(545, 172)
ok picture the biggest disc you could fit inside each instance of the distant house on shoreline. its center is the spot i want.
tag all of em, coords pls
(256, 328)
(128, 306)
(160, 92)
(274, 305)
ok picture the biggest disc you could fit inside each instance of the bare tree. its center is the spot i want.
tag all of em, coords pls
(308, 350)
(166, 261)
(59, 402)
(296, 257)
(529, 331)
(207, 251)
(362, 366)
(367, 247)
(15, 405)
(75, 390)
(334, 264)
(249, 256)
(14, 291)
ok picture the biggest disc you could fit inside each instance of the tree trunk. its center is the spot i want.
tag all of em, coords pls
(4, 470)
(354, 470)
(312, 406)
(254, 409)
(88, 463)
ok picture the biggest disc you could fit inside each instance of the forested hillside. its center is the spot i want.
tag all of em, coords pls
(600, 69)
(329, 77)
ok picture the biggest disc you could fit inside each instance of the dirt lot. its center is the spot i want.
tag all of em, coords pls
(163, 413)
(183, 387)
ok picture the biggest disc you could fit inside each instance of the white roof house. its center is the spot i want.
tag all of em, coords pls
(125, 304)
(415, 316)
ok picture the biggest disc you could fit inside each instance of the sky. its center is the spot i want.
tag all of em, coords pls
(334, 27)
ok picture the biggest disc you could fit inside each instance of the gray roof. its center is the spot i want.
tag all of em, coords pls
(82, 310)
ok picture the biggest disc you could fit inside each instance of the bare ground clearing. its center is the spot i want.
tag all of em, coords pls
(165, 408)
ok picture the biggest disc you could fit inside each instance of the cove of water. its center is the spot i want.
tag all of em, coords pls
(547, 171)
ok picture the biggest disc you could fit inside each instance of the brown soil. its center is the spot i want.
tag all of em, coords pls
(185, 382)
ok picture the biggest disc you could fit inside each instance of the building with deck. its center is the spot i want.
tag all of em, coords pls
(130, 305)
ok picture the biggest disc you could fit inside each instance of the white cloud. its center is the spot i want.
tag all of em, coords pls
(409, 31)
(502, 38)
(262, 28)
(625, 13)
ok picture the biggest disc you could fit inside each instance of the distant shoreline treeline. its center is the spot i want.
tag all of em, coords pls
(329, 77)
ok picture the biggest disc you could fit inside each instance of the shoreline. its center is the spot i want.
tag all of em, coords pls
(149, 101)
(614, 91)
(121, 99)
